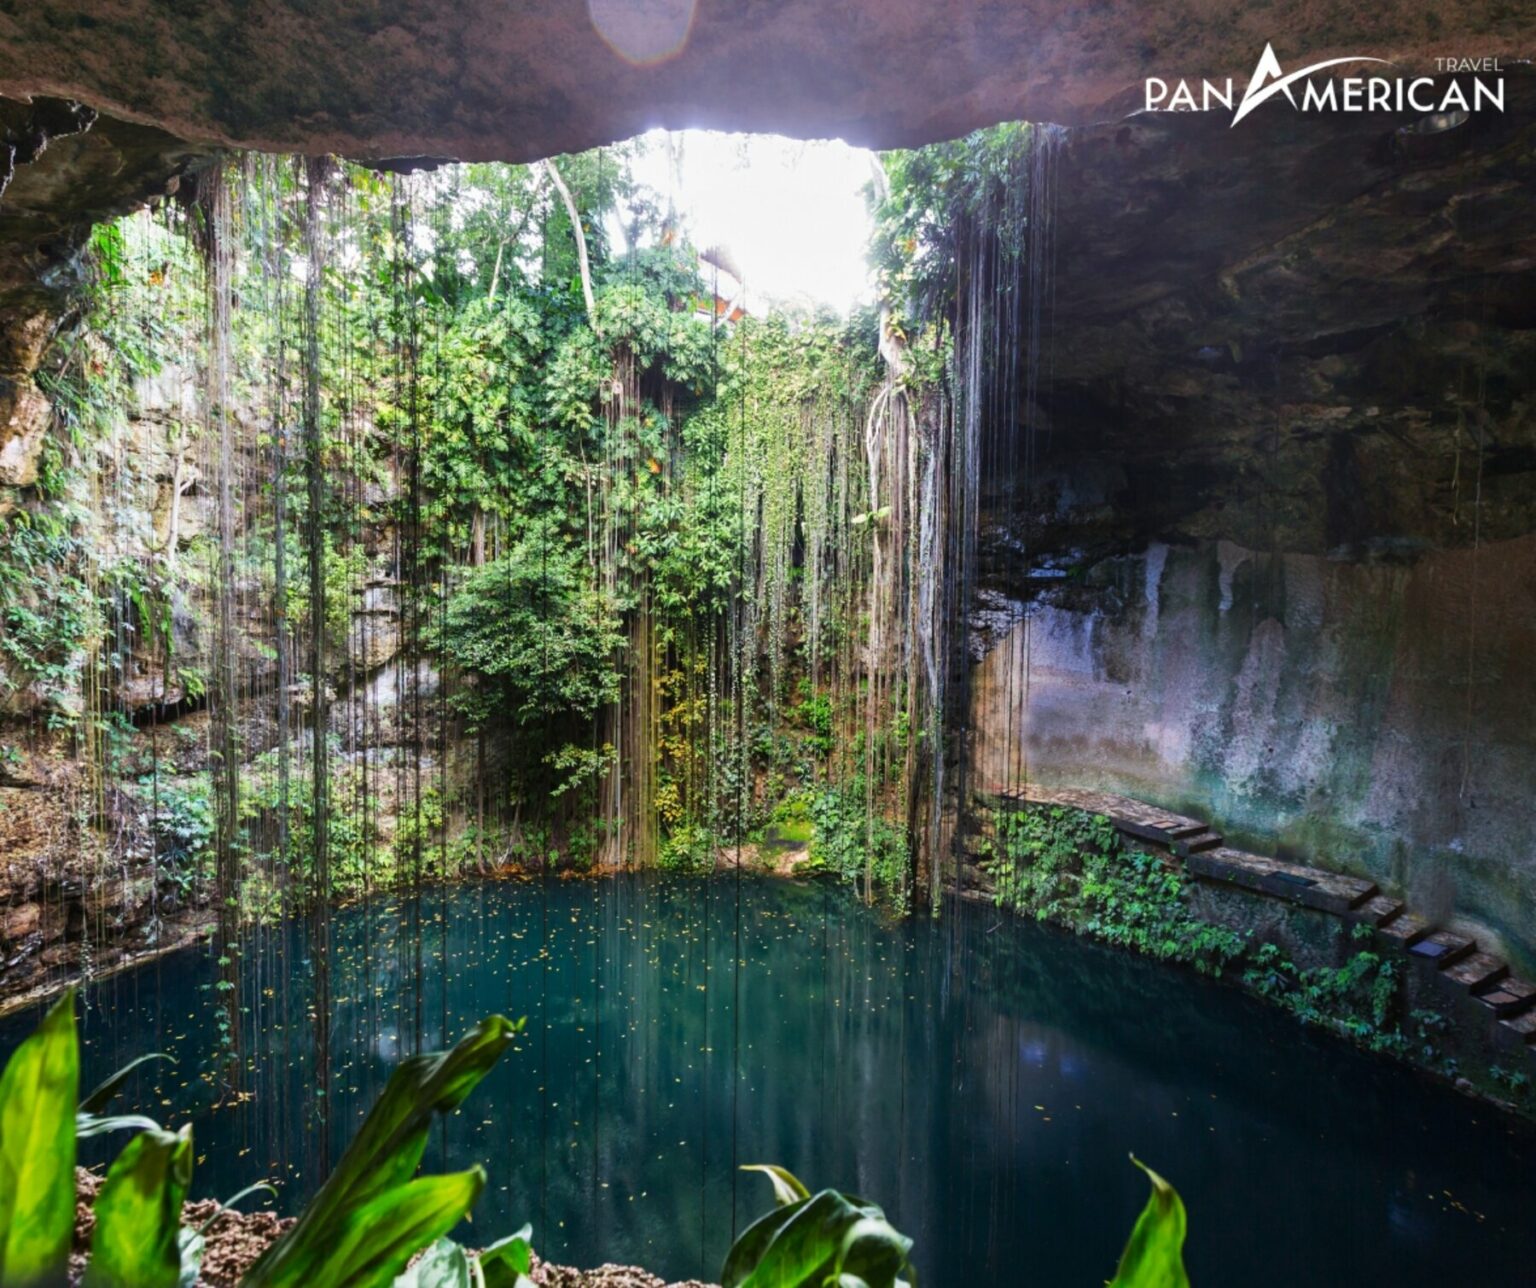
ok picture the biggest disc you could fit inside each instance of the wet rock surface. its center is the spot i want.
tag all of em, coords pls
(1304, 333)
(1273, 543)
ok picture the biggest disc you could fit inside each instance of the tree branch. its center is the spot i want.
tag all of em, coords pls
(581, 242)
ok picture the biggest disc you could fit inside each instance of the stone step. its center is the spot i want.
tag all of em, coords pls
(1408, 928)
(1510, 996)
(1311, 887)
(1519, 1031)
(1196, 844)
(1476, 971)
(1378, 910)
(1443, 948)
(1133, 817)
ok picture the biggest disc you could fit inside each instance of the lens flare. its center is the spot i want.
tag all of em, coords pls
(643, 32)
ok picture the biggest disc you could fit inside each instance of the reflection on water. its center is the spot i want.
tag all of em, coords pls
(981, 1078)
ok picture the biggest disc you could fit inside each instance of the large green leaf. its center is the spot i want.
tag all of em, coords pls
(136, 1243)
(874, 1252)
(386, 1151)
(103, 1092)
(444, 1265)
(370, 1245)
(787, 1187)
(508, 1263)
(809, 1241)
(37, 1151)
(192, 1245)
(1154, 1255)
(87, 1125)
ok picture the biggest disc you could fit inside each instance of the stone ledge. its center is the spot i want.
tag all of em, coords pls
(1451, 957)
(1309, 886)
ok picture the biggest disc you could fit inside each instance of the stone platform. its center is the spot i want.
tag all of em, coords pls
(1456, 959)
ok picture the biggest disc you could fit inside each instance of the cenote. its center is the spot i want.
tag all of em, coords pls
(978, 646)
(984, 1075)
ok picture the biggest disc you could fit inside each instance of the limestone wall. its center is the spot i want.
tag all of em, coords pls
(1375, 718)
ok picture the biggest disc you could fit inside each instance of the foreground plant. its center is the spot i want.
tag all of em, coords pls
(37, 1151)
(815, 1239)
(832, 1240)
(506, 1264)
(372, 1215)
(1154, 1254)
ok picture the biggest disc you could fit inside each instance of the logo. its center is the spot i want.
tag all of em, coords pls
(1305, 91)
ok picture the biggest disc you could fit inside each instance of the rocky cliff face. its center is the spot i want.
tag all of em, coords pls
(1273, 557)
(1371, 716)
(63, 169)
(105, 747)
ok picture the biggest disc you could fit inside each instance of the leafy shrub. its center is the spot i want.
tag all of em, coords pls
(533, 626)
(1356, 999)
(811, 1240)
(48, 611)
(688, 848)
(857, 846)
(825, 1238)
(184, 831)
(815, 713)
(1072, 868)
(372, 1215)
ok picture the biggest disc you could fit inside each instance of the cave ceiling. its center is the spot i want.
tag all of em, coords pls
(1316, 280)
(514, 81)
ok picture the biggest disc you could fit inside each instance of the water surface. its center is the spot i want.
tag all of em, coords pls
(981, 1078)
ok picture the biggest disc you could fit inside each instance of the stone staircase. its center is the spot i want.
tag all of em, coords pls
(1455, 958)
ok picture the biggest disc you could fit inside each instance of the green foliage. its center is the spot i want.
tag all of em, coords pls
(688, 848)
(37, 1151)
(484, 393)
(357, 861)
(855, 844)
(936, 197)
(1154, 1255)
(1357, 999)
(550, 510)
(367, 1221)
(137, 1240)
(815, 713)
(830, 1238)
(373, 1215)
(101, 1095)
(816, 1239)
(508, 1263)
(48, 610)
(184, 827)
(539, 636)
(61, 581)
(1072, 868)
(370, 1217)
(791, 822)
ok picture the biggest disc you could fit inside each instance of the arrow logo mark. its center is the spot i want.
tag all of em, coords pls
(1270, 79)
